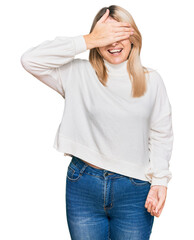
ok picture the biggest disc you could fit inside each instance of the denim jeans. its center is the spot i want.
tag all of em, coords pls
(103, 205)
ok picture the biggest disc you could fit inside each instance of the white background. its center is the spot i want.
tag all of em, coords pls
(32, 172)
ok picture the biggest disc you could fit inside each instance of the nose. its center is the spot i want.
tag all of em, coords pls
(114, 44)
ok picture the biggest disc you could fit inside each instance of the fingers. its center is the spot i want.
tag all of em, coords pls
(153, 209)
(122, 35)
(123, 29)
(160, 203)
(104, 17)
(151, 201)
(120, 24)
(155, 201)
(157, 214)
(149, 207)
(152, 206)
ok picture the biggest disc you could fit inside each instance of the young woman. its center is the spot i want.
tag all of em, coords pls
(117, 126)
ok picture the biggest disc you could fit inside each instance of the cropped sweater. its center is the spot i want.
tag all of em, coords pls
(106, 126)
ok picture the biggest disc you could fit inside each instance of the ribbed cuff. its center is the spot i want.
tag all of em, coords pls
(159, 181)
(80, 44)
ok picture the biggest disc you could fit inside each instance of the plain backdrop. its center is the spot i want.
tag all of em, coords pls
(32, 172)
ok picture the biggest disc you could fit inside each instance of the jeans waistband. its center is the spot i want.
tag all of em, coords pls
(95, 171)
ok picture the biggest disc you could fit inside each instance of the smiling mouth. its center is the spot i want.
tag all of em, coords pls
(115, 51)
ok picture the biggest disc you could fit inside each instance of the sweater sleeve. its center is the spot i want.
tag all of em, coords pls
(51, 61)
(160, 137)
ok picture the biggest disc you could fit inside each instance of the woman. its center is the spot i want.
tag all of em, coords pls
(116, 126)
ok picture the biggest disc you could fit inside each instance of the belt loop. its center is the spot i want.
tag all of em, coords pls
(83, 168)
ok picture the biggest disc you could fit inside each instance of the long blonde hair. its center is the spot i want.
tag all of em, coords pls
(134, 67)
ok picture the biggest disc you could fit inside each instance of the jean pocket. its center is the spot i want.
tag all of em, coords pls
(74, 173)
(138, 182)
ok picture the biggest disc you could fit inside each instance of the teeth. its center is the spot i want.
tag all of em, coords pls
(114, 51)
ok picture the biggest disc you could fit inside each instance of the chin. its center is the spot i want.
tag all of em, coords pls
(117, 61)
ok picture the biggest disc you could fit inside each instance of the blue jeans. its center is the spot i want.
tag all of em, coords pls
(103, 205)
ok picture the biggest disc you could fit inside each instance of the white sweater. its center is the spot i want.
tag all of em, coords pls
(105, 126)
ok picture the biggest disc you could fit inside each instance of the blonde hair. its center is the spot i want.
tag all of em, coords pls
(134, 67)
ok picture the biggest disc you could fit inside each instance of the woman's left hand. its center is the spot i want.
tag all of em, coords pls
(156, 199)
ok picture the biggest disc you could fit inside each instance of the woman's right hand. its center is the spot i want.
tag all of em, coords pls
(105, 33)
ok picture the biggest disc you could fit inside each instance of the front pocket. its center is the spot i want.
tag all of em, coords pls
(74, 173)
(138, 182)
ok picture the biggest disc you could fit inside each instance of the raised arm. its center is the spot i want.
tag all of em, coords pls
(51, 61)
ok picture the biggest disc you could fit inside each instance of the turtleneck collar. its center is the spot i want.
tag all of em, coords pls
(116, 69)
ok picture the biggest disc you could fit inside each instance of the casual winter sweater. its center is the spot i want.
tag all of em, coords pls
(106, 126)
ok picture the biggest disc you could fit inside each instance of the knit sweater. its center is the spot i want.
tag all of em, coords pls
(106, 126)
